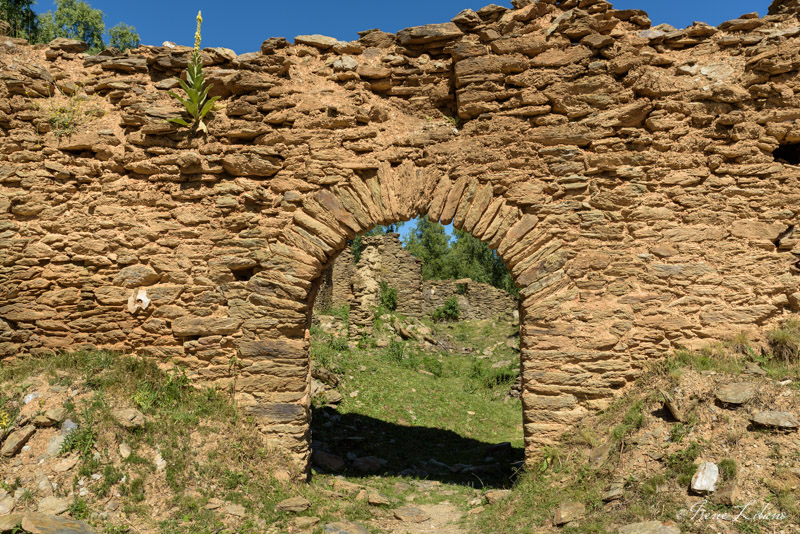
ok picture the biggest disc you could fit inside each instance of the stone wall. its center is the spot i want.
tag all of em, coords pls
(639, 183)
(385, 260)
(475, 300)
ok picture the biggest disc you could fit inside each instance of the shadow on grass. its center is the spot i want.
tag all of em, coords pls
(411, 451)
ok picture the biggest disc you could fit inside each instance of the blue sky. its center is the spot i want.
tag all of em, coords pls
(243, 25)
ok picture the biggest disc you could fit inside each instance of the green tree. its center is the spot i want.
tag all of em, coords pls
(462, 257)
(20, 15)
(472, 258)
(429, 242)
(123, 36)
(74, 19)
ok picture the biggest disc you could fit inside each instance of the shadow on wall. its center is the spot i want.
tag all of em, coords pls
(370, 447)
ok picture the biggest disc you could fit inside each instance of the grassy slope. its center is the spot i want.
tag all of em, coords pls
(212, 457)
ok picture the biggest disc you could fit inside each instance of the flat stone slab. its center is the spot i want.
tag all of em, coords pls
(782, 420)
(294, 505)
(344, 527)
(129, 418)
(568, 512)
(496, 495)
(375, 498)
(53, 506)
(7, 504)
(44, 524)
(8, 522)
(615, 491)
(409, 514)
(649, 527)
(737, 393)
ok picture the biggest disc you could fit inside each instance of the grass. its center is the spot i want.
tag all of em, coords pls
(451, 396)
(66, 114)
(785, 341)
(733, 356)
(454, 407)
(727, 468)
(408, 405)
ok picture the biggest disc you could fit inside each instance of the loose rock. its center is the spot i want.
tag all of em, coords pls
(737, 393)
(294, 505)
(568, 512)
(779, 420)
(705, 479)
(410, 514)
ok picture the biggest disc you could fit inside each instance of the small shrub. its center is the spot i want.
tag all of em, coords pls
(388, 297)
(80, 440)
(461, 289)
(433, 366)
(134, 489)
(651, 485)
(111, 475)
(67, 113)
(678, 432)
(396, 351)
(727, 469)
(785, 341)
(488, 377)
(342, 312)
(232, 479)
(365, 342)
(633, 420)
(161, 393)
(449, 311)
(740, 344)
(339, 344)
(680, 464)
(79, 509)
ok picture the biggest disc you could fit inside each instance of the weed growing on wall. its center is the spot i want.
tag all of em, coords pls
(66, 114)
(388, 297)
(196, 104)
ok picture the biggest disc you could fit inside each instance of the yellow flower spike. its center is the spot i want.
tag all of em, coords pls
(197, 33)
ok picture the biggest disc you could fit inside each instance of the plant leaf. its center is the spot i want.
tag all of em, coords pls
(184, 86)
(178, 120)
(208, 107)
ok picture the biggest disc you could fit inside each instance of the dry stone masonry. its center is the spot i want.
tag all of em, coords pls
(639, 183)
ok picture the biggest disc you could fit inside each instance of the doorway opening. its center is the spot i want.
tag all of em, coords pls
(415, 367)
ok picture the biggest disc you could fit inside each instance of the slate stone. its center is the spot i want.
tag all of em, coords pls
(294, 505)
(16, 440)
(344, 527)
(129, 418)
(53, 506)
(737, 393)
(410, 514)
(8, 522)
(771, 419)
(44, 524)
(568, 512)
(649, 527)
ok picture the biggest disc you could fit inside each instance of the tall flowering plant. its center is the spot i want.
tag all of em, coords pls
(196, 104)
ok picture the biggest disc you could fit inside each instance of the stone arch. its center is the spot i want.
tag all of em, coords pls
(557, 389)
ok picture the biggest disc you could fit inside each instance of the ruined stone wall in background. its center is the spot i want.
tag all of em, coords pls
(475, 300)
(640, 184)
(387, 261)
